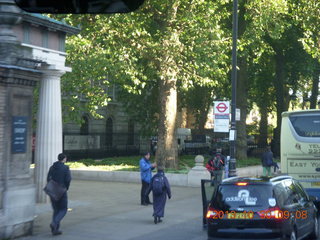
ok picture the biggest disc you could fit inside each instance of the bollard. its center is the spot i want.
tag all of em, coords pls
(226, 167)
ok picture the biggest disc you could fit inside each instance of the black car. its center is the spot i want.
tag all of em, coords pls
(262, 207)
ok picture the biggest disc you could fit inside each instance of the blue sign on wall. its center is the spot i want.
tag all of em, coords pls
(19, 134)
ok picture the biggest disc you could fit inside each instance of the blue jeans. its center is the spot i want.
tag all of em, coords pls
(60, 209)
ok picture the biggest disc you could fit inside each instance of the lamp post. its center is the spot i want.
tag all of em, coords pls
(233, 130)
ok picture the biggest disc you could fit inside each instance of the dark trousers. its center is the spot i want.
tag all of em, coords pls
(217, 175)
(144, 197)
(60, 209)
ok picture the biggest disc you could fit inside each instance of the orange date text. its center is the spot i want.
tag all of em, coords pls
(279, 214)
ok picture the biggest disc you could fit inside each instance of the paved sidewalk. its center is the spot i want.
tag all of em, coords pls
(105, 210)
(110, 210)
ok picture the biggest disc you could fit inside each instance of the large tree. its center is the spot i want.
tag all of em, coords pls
(170, 49)
(150, 54)
(278, 28)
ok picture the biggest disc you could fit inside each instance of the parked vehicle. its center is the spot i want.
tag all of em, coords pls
(300, 148)
(199, 144)
(183, 135)
(262, 207)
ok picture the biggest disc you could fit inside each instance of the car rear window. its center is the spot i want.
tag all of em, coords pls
(244, 198)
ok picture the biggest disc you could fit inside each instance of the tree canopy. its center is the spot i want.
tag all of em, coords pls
(171, 52)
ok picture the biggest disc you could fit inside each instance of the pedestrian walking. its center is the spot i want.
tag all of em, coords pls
(60, 173)
(146, 173)
(267, 161)
(215, 165)
(160, 188)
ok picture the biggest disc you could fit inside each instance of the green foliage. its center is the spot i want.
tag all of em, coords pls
(128, 50)
(248, 162)
(307, 16)
(186, 162)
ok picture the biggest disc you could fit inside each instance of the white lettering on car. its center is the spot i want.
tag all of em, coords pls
(243, 195)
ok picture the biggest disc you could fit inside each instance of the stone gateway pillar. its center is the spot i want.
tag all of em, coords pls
(18, 76)
(49, 128)
(31, 51)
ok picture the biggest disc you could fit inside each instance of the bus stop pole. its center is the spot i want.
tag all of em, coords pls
(233, 130)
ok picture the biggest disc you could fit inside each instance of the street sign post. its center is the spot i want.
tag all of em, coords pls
(221, 116)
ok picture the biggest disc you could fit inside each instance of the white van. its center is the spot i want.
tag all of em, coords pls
(182, 135)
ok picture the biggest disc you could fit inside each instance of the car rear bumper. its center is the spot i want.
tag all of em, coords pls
(249, 230)
(248, 233)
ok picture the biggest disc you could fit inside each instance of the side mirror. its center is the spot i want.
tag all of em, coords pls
(79, 6)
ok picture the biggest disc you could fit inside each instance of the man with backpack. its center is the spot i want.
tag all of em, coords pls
(160, 188)
(215, 165)
(267, 161)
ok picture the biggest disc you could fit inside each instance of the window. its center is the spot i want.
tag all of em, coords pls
(293, 196)
(26, 34)
(306, 125)
(84, 129)
(111, 91)
(62, 40)
(45, 39)
(301, 191)
(131, 132)
(109, 132)
(280, 194)
(250, 198)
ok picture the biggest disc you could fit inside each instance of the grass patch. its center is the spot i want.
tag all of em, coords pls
(131, 163)
(108, 164)
(248, 162)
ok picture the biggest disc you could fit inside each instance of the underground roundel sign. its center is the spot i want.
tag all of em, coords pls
(221, 107)
(221, 116)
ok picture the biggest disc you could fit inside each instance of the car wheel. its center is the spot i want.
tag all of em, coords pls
(315, 233)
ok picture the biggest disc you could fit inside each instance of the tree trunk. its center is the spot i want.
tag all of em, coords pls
(282, 98)
(242, 89)
(315, 84)
(203, 115)
(167, 150)
(242, 95)
(263, 128)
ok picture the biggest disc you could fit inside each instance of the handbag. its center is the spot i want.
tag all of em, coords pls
(54, 190)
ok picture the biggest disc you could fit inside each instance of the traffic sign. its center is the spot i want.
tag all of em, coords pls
(221, 116)
(221, 107)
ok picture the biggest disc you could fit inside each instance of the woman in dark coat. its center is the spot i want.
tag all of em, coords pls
(159, 199)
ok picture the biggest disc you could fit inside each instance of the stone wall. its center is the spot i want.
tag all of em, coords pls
(17, 190)
(19, 73)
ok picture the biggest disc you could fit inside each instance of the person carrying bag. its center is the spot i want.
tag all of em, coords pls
(54, 190)
(58, 182)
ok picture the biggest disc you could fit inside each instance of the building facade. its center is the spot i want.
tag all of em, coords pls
(31, 53)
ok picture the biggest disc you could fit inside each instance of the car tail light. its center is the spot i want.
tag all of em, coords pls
(241, 183)
(271, 213)
(212, 213)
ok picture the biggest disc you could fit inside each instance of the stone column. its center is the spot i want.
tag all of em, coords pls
(198, 172)
(49, 128)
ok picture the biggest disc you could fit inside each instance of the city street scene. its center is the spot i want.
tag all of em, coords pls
(171, 119)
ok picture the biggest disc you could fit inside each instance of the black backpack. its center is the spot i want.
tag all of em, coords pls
(218, 162)
(158, 185)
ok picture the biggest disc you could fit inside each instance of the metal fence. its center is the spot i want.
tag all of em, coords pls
(97, 146)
